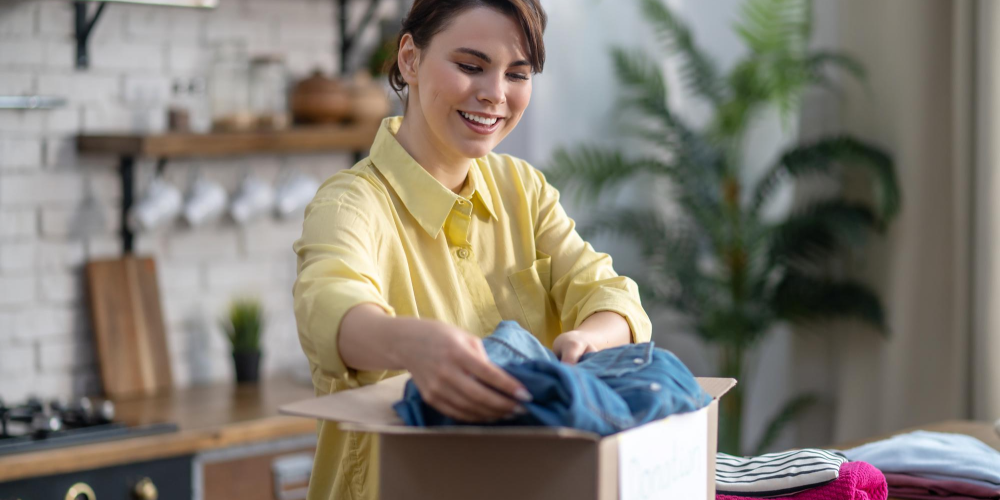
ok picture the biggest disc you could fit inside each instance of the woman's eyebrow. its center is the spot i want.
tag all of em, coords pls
(486, 58)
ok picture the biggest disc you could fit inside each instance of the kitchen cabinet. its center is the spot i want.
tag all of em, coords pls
(224, 431)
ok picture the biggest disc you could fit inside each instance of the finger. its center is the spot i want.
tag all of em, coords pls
(572, 352)
(450, 410)
(494, 376)
(472, 412)
(489, 400)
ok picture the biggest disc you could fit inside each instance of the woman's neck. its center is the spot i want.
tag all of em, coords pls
(414, 135)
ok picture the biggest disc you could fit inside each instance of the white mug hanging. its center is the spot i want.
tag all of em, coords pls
(160, 205)
(254, 199)
(206, 201)
(294, 193)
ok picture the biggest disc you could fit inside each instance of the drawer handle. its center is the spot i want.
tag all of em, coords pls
(145, 490)
(80, 491)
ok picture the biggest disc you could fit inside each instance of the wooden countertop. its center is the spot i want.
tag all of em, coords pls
(208, 417)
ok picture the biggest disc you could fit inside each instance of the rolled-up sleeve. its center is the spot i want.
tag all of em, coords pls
(583, 279)
(337, 270)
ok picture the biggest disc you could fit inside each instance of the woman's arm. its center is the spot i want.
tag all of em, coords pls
(449, 365)
(589, 295)
(600, 330)
(346, 323)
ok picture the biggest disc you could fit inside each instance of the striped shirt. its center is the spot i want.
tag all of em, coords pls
(776, 474)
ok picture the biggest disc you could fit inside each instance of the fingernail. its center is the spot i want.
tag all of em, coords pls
(523, 395)
(520, 410)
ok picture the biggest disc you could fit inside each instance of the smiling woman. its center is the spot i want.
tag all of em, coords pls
(413, 256)
(468, 75)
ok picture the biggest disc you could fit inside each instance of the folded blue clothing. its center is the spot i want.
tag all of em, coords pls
(933, 455)
(605, 392)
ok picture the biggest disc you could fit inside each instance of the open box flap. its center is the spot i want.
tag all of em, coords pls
(369, 409)
(371, 404)
(716, 387)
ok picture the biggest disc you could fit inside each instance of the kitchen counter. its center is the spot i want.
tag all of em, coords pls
(208, 417)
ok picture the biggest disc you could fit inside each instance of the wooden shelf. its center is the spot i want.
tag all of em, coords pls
(300, 139)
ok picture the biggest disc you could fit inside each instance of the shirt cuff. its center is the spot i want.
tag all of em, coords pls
(322, 327)
(621, 302)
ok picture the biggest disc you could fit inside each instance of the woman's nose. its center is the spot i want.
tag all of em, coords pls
(493, 90)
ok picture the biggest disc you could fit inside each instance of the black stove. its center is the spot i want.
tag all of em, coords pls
(35, 426)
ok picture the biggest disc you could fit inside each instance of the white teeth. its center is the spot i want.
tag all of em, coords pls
(478, 119)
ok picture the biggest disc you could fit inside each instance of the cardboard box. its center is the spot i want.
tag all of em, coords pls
(673, 458)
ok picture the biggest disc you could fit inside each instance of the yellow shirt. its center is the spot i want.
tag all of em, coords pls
(386, 232)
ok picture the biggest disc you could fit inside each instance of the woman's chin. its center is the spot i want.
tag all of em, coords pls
(476, 149)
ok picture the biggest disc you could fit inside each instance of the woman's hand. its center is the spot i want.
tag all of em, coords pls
(454, 375)
(571, 345)
(600, 330)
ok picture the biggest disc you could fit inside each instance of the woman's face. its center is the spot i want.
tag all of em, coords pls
(475, 69)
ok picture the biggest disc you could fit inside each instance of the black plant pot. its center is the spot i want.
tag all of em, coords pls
(247, 365)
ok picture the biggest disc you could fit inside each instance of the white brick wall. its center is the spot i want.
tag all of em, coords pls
(58, 209)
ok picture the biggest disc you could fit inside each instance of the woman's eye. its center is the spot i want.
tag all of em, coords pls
(518, 76)
(467, 68)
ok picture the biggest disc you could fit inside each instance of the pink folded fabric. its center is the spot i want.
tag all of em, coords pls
(857, 481)
(919, 488)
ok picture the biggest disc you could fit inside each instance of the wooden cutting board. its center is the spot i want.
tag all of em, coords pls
(128, 326)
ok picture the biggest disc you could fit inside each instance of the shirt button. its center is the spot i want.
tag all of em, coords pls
(637, 361)
(461, 202)
(654, 387)
(463, 253)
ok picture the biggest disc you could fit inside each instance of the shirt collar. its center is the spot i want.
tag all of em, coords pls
(424, 197)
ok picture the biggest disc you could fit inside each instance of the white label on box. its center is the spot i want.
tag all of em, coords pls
(665, 461)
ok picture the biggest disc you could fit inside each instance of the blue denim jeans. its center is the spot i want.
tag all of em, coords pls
(605, 392)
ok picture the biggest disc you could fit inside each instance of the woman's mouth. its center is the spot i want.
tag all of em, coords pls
(479, 124)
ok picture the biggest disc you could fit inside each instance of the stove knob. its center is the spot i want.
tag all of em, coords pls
(45, 423)
(80, 491)
(107, 411)
(86, 407)
(145, 490)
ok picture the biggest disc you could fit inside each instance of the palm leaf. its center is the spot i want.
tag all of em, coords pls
(776, 26)
(823, 156)
(820, 231)
(793, 409)
(646, 90)
(592, 170)
(646, 227)
(697, 71)
(805, 299)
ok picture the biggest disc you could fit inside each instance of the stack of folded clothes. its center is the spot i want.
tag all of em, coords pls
(935, 465)
(808, 474)
(605, 392)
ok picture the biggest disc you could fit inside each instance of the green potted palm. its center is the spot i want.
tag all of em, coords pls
(731, 272)
(243, 328)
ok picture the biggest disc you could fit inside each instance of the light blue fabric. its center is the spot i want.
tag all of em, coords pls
(605, 392)
(933, 455)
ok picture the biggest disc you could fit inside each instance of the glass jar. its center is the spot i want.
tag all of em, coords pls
(229, 88)
(269, 91)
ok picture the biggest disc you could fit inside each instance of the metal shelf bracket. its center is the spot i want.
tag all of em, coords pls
(83, 28)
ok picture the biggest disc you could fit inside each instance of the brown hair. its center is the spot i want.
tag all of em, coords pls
(429, 17)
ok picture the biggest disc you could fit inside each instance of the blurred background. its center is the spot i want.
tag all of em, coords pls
(804, 192)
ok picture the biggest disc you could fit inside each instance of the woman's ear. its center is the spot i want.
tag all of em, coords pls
(408, 59)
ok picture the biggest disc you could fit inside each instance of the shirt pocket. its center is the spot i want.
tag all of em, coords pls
(531, 286)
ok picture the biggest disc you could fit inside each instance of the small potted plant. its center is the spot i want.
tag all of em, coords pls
(243, 327)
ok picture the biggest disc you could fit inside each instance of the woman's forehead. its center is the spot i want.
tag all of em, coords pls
(484, 30)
